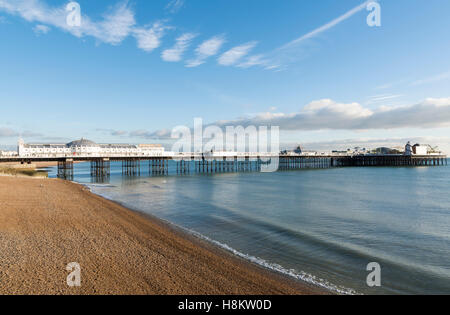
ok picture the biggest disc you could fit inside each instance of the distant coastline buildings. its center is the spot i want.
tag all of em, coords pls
(416, 149)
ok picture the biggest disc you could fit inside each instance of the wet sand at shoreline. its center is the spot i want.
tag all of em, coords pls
(47, 223)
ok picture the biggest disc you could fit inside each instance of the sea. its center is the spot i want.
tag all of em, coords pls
(322, 226)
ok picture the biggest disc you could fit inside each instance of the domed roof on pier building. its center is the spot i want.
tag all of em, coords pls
(82, 143)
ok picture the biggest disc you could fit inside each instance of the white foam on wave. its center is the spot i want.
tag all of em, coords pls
(303, 276)
(99, 185)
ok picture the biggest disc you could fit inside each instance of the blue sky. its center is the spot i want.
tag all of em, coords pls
(315, 68)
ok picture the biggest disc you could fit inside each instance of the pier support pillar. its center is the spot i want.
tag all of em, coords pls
(131, 167)
(100, 168)
(65, 169)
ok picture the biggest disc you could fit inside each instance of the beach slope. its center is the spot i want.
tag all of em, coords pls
(46, 224)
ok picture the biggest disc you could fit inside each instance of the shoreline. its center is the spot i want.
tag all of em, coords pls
(120, 250)
(205, 242)
(278, 271)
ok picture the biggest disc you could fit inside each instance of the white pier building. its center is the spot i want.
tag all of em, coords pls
(87, 148)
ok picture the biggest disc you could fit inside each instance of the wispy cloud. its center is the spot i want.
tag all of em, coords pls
(390, 84)
(149, 38)
(35, 11)
(205, 50)
(117, 24)
(255, 60)
(112, 132)
(326, 26)
(409, 82)
(118, 133)
(160, 134)
(7, 132)
(175, 5)
(382, 98)
(432, 79)
(288, 52)
(136, 133)
(11, 133)
(115, 27)
(235, 54)
(175, 53)
(41, 29)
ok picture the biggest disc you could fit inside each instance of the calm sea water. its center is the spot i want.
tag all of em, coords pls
(322, 226)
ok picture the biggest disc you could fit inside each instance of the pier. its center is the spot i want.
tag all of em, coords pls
(193, 163)
(137, 159)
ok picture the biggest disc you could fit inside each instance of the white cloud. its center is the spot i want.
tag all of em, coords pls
(149, 38)
(35, 11)
(175, 53)
(233, 55)
(117, 24)
(175, 5)
(352, 110)
(205, 50)
(329, 115)
(41, 29)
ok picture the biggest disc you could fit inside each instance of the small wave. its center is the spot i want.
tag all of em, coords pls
(299, 275)
(99, 185)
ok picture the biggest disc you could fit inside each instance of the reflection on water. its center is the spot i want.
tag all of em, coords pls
(328, 224)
